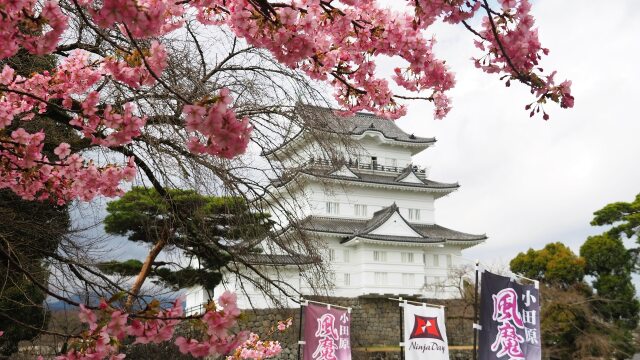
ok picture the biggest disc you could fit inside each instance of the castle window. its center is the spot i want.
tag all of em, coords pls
(332, 254)
(360, 210)
(406, 257)
(379, 256)
(408, 280)
(414, 214)
(449, 261)
(347, 279)
(392, 162)
(262, 285)
(380, 278)
(346, 255)
(332, 208)
(436, 260)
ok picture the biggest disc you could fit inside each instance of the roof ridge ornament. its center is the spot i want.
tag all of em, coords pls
(410, 168)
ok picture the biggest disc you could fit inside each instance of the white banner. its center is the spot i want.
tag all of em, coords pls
(425, 336)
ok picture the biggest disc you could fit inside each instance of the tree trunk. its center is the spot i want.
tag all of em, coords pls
(144, 273)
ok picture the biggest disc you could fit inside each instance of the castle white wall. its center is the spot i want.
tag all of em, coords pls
(424, 276)
(313, 197)
(363, 148)
(347, 196)
(386, 154)
(359, 268)
(396, 226)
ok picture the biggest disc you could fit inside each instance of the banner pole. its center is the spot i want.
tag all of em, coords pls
(324, 303)
(401, 337)
(418, 303)
(300, 328)
(475, 316)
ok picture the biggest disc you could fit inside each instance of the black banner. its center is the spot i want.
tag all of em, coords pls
(510, 319)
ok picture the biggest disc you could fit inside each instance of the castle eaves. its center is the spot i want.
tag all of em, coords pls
(279, 259)
(351, 228)
(321, 119)
(364, 177)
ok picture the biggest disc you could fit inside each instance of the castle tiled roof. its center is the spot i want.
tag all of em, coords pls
(352, 228)
(377, 178)
(278, 259)
(362, 122)
(327, 120)
(371, 178)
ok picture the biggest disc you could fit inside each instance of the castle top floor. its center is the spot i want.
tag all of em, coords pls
(362, 138)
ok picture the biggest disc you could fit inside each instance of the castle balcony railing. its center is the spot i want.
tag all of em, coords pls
(373, 166)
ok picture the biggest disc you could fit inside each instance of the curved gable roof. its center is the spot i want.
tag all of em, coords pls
(372, 178)
(354, 228)
(327, 120)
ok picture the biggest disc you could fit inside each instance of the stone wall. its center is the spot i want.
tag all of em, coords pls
(375, 327)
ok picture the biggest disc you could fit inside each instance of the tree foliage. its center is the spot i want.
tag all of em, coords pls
(572, 328)
(623, 216)
(555, 264)
(21, 301)
(29, 233)
(214, 223)
(113, 58)
(624, 219)
(609, 262)
(576, 322)
(175, 91)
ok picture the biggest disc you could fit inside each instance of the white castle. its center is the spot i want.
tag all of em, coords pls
(371, 208)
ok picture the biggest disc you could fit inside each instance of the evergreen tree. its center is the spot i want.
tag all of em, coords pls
(200, 226)
(555, 264)
(575, 321)
(609, 262)
(29, 231)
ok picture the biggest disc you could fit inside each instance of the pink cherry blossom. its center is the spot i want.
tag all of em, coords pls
(138, 69)
(337, 41)
(63, 150)
(108, 327)
(216, 130)
(283, 325)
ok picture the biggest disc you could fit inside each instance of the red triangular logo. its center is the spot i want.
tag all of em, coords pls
(425, 328)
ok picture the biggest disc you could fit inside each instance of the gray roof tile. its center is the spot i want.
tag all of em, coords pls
(325, 119)
(370, 177)
(351, 227)
(273, 259)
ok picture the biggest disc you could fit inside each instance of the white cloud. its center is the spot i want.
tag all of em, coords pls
(527, 182)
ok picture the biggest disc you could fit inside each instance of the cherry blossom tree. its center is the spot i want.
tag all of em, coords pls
(107, 327)
(145, 85)
(121, 44)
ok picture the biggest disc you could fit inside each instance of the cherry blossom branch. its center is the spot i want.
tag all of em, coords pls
(499, 42)
(40, 330)
(7, 255)
(472, 30)
(150, 69)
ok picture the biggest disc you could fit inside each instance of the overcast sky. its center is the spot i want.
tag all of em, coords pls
(526, 182)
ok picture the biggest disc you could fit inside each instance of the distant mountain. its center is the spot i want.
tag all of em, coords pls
(56, 305)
